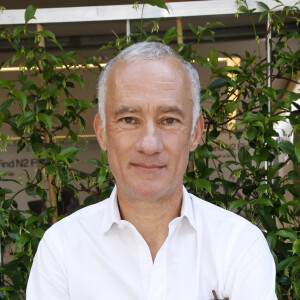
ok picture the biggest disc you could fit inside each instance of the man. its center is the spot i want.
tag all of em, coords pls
(151, 239)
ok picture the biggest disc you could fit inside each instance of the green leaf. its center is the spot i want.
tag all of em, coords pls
(250, 117)
(84, 104)
(216, 84)
(287, 147)
(269, 92)
(170, 35)
(258, 124)
(38, 232)
(46, 119)
(40, 105)
(244, 155)
(4, 140)
(69, 151)
(31, 220)
(282, 209)
(237, 204)
(25, 118)
(228, 163)
(18, 31)
(213, 24)
(73, 136)
(50, 35)
(277, 118)
(22, 98)
(22, 240)
(205, 151)
(213, 57)
(5, 191)
(102, 176)
(288, 233)
(252, 133)
(3, 173)
(272, 142)
(70, 102)
(158, 3)
(203, 184)
(293, 175)
(50, 56)
(16, 56)
(267, 219)
(281, 61)
(29, 13)
(228, 69)
(263, 5)
(153, 38)
(262, 15)
(297, 150)
(51, 169)
(7, 203)
(263, 201)
(193, 28)
(272, 171)
(296, 247)
(6, 84)
(78, 79)
(231, 106)
(271, 239)
(261, 189)
(1, 118)
(103, 156)
(244, 9)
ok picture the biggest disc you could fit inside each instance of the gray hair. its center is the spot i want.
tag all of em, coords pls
(149, 51)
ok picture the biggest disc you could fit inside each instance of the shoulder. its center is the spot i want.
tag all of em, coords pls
(233, 239)
(90, 217)
(224, 223)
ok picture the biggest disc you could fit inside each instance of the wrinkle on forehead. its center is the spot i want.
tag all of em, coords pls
(162, 86)
(144, 79)
(154, 70)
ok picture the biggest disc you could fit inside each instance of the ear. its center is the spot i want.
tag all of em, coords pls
(100, 132)
(196, 136)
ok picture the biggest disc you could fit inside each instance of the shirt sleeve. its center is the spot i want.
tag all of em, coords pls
(253, 271)
(48, 278)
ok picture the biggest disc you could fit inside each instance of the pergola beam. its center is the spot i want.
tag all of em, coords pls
(127, 12)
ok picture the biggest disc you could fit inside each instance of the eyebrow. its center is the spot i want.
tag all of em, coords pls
(137, 109)
(171, 109)
(127, 109)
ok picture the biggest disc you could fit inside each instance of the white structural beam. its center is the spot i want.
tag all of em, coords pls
(127, 12)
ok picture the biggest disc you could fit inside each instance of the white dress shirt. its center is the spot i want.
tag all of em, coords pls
(93, 254)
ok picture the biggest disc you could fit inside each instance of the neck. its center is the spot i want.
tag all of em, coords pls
(151, 218)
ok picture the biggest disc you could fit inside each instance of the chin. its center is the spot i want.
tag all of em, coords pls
(150, 192)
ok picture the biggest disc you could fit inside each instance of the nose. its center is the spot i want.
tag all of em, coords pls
(149, 141)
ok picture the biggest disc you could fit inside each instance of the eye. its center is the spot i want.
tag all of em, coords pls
(128, 120)
(169, 121)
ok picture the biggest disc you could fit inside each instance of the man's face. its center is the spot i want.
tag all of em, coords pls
(148, 127)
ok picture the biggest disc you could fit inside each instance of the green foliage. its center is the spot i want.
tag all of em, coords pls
(242, 104)
(37, 106)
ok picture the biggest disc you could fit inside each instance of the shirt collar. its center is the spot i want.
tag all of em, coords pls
(187, 209)
(112, 213)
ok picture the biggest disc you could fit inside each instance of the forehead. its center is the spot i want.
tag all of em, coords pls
(164, 79)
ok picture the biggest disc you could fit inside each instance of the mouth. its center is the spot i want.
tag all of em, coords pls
(148, 167)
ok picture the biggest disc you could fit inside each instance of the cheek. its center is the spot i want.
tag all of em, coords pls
(119, 145)
(177, 146)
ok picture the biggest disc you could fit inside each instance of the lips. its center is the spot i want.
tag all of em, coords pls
(147, 167)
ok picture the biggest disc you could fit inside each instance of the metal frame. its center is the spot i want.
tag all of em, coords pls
(127, 12)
